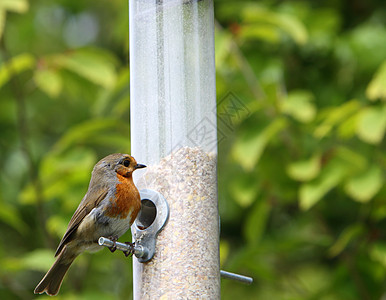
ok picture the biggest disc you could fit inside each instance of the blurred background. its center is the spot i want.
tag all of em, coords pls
(301, 89)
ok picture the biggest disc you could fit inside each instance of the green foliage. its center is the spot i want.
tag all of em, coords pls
(302, 169)
(376, 88)
(305, 170)
(312, 146)
(372, 124)
(19, 6)
(299, 105)
(250, 146)
(16, 65)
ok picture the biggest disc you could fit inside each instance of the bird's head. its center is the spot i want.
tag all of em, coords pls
(122, 164)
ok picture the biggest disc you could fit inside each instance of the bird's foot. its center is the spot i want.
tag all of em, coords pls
(114, 238)
(131, 251)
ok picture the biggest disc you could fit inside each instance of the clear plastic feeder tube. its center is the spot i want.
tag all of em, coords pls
(174, 132)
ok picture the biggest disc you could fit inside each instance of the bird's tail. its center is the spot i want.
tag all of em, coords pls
(52, 281)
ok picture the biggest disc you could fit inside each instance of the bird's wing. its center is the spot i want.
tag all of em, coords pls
(86, 205)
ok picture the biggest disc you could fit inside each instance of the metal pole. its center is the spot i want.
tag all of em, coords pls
(174, 132)
(237, 277)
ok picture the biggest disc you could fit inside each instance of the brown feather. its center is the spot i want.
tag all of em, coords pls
(85, 206)
(52, 281)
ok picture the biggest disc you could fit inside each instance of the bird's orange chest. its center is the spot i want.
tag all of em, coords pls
(126, 201)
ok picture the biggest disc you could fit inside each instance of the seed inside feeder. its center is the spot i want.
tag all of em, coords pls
(187, 179)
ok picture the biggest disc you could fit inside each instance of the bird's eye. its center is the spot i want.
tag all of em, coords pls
(126, 163)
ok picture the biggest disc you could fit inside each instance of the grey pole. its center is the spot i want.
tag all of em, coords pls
(174, 132)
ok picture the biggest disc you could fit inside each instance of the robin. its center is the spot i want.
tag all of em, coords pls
(108, 209)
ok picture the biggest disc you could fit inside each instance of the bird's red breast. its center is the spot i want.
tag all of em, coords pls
(126, 201)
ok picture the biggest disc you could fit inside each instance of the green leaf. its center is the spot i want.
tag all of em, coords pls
(2, 21)
(305, 170)
(90, 131)
(39, 260)
(60, 173)
(355, 162)
(372, 124)
(266, 22)
(28, 195)
(294, 27)
(93, 65)
(347, 128)
(345, 238)
(364, 186)
(307, 281)
(264, 32)
(244, 189)
(49, 81)
(222, 45)
(56, 225)
(249, 148)
(334, 116)
(377, 87)
(299, 105)
(378, 253)
(310, 193)
(256, 221)
(224, 251)
(58, 166)
(16, 65)
(345, 162)
(10, 216)
(19, 6)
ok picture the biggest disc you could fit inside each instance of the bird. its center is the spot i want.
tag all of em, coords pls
(109, 207)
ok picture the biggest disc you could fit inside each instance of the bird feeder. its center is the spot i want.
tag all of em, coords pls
(174, 132)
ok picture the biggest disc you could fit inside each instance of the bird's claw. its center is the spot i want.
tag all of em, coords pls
(114, 239)
(131, 251)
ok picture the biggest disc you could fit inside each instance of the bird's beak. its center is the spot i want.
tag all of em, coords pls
(139, 166)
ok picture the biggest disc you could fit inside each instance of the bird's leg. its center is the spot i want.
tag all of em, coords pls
(131, 251)
(114, 238)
